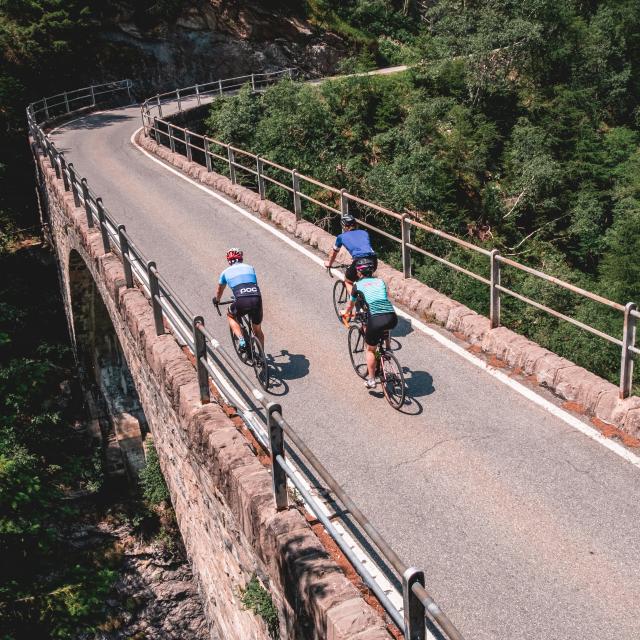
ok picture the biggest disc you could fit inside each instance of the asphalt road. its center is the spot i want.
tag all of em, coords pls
(525, 527)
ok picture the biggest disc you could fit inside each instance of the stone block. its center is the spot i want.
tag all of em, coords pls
(350, 618)
(456, 315)
(441, 308)
(474, 328)
(546, 369)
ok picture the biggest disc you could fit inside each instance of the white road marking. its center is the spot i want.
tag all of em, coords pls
(531, 395)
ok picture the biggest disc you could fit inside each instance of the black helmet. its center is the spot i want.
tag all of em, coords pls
(365, 267)
(347, 220)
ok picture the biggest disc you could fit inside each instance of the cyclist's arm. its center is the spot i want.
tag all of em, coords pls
(222, 283)
(352, 299)
(334, 252)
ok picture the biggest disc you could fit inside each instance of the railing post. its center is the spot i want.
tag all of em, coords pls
(406, 251)
(232, 167)
(46, 109)
(159, 105)
(220, 86)
(207, 156)
(200, 352)
(297, 202)
(414, 612)
(129, 85)
(63, 170)
(259, 170)
(198, 94)
(126, 256)
(187, 144)
(102, 221)
(154, 290)
(179, 101)
(253, 82)
(344, 203)
(144, 125)
(156, 132)
(276, 441)
(54, 163)
(628, 340)
(494, 295)
(93, 96)
(66, 102)
(74, 187)
(172, 143)
(87, 204)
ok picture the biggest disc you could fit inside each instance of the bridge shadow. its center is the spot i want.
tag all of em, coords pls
(96, 121)
(286, 366)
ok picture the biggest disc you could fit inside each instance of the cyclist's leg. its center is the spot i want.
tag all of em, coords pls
(350, 276)
(372, 338)
(255, 315)
(233, 318)
(387, 335)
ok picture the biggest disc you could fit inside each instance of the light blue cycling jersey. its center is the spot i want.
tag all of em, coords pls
(240, 274)
(374, 292)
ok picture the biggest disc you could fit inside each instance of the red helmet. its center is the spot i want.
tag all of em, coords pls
(234, 255)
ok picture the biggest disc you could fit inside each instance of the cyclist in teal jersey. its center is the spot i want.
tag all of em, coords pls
(381, 316)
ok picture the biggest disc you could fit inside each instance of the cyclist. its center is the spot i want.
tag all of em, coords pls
(371, 294)
(242, 280)
(356, 242)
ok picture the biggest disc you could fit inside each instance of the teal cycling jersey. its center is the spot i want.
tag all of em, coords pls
(374, 293)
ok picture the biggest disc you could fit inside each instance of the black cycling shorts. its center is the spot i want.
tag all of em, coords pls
(351, 273)
(247, 305)
(377, 325)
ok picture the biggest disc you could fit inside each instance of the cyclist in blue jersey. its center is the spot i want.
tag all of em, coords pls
(356, 242)
(371, 294)
(242, 280)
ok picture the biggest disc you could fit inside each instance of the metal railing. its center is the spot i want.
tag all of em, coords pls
(337, 202)
(419, 612)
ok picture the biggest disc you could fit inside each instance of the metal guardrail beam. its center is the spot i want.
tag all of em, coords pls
(407, 222)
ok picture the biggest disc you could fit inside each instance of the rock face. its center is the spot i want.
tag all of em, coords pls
(210, 39)
(155, 595)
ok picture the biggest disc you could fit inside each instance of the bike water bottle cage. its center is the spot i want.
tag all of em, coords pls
(234, 255)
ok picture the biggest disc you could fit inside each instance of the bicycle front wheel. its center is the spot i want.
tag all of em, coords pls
(339, 298)
(393, 384)
(357, 350)
(260, 365)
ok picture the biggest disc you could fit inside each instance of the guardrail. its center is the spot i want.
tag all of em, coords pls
(339, 200)
(420, 610)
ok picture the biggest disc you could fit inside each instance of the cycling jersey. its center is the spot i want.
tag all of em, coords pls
(374, 293)
(356, 242)
(242, 280)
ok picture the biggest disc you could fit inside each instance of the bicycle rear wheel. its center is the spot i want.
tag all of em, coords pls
(339, 298)
(393, 384)
(260, 365)
(357, 350)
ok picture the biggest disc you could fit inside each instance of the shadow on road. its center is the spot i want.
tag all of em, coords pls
(419, 383)
(402, 329)
(287, 366)
(95, 121)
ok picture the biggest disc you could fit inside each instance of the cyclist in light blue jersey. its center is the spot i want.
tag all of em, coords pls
(242, 280)
(381, 316)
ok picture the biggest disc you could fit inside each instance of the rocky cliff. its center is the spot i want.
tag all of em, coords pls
(178, 43)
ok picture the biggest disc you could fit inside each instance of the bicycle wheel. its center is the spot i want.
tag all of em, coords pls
(339, 298)
(243, 354)
(393, 384)
(357, 350)
(260, 365)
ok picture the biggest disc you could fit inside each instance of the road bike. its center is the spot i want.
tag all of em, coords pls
(340, 295)
(388, 369)
(252, 354)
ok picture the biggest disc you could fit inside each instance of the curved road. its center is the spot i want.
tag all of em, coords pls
(525, 527)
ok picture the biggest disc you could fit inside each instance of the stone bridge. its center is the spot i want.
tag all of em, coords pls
(138, 382)
(511, 499)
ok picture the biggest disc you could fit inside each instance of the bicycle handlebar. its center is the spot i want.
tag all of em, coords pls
(218, 304)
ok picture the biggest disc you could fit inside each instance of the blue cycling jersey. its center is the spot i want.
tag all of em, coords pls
(374, 292)
(241, 278)
(356, 242)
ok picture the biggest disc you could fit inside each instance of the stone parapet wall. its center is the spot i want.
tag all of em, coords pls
(587, 392)
(221, 493)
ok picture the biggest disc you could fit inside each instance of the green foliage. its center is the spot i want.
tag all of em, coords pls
(154, 488)
(257, 599)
